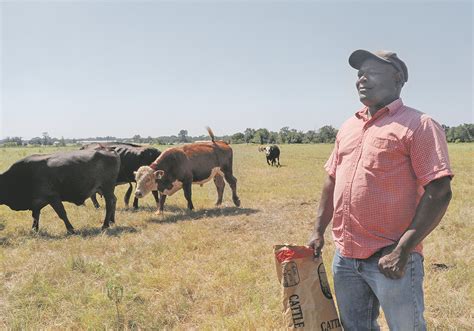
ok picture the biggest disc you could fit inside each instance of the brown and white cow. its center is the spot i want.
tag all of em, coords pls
(180, 167)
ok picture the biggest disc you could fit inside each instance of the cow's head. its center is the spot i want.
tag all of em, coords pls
(267, 150)
(145, 178)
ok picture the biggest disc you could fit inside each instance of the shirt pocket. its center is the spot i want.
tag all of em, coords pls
(381, 153)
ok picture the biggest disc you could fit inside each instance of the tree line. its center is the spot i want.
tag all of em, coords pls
(326, 134)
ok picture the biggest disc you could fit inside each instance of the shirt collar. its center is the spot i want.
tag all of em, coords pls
(392, 107)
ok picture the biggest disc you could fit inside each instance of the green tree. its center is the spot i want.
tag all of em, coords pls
(137, 138)
(46, 140)
(248, 135)
(273, 138)
(327, 134)
(295, 136)
(238, 138)
(183, 136)
(284, 133)
(36, 141)
(62, 142)
(310, 137)
(261, 136)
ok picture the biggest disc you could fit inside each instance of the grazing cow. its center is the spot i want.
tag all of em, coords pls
(180, 167)
(38, 180)
(272, 153)
(132, 157)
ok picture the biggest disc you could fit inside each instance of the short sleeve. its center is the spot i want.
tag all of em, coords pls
(429, 152)
(331, 163)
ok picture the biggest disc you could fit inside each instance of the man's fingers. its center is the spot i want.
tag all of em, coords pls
(317, 252)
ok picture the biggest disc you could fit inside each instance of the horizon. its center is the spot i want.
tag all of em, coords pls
(154, 68)
(172, 135)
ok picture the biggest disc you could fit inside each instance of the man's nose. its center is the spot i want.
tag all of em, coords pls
(361, 79)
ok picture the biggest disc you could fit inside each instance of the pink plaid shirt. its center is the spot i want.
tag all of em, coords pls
(380, 166)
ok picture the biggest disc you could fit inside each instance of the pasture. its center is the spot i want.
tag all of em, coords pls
(212, 268)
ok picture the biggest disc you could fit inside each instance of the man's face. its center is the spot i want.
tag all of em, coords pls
(377, 83)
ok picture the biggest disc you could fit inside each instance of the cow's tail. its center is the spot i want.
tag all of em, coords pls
(211, 134)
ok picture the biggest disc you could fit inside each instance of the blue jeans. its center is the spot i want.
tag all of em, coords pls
(361, 289)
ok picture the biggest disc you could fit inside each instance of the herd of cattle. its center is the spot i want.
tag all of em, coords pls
(40, 180)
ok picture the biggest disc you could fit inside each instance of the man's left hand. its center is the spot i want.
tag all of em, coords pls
(392, 262)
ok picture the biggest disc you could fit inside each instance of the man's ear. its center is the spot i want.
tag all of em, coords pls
(159, 174)
(399, 78)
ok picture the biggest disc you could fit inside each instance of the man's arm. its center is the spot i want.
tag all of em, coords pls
(324, 216)
(430, 211)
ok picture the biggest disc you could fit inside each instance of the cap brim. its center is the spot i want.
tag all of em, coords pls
(359, 56)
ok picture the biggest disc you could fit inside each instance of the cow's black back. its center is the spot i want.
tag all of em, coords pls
(71, 176)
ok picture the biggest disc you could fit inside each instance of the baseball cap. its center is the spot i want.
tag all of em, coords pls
(359, 56)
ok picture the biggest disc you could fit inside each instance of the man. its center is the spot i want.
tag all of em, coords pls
(388, 186)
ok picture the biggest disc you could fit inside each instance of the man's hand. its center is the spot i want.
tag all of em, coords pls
(316, 242)
(392, 262)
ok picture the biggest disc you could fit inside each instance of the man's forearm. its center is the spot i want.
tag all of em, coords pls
(326, 206)
(430, 211)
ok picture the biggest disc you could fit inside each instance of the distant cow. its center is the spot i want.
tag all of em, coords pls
(38, 180)
(132, 157)
(180, 167)
(272, 153)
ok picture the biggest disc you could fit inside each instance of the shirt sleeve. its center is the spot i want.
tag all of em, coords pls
(429, 152)
(331, 163)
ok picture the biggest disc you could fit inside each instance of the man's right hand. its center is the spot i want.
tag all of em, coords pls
(316, 242)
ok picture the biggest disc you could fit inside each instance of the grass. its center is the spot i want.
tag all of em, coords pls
(208, 269)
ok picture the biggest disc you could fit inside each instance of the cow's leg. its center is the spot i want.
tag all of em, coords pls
(112, 219)
(110, 203)
(220, 184)
(161, 204)
(268, 161)
(278, 159)
(94, 200)
(157, 198)
(233, 185)
(59, 209)
(36, 218)
(187, 194)
(126, 198)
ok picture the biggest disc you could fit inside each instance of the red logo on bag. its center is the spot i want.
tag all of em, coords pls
(288, 254)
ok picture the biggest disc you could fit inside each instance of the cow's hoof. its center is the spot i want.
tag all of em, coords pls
(159, 212)
(71, 231)
(105, 227)
(237, 202)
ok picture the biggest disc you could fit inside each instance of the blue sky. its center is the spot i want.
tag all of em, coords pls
(120, 68)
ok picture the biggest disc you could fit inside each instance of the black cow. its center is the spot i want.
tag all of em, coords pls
(132, 157)
(38, 180)
(272, 152)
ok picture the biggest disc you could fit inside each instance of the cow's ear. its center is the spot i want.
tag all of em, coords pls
(159, 174)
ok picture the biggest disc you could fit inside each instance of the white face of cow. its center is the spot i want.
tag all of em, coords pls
(267, 150)
(145, 178)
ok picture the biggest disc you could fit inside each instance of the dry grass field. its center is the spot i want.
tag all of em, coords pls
(212, 268)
